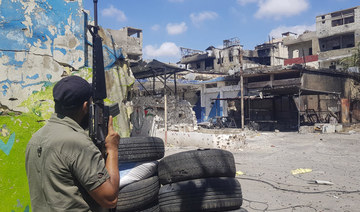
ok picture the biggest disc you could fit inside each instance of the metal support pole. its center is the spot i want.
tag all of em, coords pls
(242, 92)
(299, 111)
(154, 92)
(176, 97)
(165, 107)
(249, 110)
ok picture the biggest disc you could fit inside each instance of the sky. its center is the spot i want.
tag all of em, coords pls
(168, 25)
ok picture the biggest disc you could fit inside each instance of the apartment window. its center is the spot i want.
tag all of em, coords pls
(231, 58)
(230, 83)
(337, 42)
(349, 20)
(338, 22)
(198, 65)
(310, 51)
(348, 41)
(212, 85)
(209, 63)
(342, 17)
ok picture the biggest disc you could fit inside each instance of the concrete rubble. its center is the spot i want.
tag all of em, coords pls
(148, 115)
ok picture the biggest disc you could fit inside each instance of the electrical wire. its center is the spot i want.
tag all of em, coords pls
(296, 191)
(275, 209)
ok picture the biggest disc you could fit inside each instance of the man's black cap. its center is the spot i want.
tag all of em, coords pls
(71, 92)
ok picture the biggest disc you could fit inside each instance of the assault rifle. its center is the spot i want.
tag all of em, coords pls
(99, 112)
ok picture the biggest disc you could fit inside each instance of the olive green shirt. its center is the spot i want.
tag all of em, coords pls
(62, 166)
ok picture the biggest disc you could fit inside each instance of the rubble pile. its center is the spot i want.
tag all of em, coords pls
(149, 114)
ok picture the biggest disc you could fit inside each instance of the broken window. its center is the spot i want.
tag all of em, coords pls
(230, 83)
(342, 17)
(212, 85)
(337, 42)
(262, 78)
(337, 22)
(231, 58)
(132, 32)
(310, 51)
(348, 41)
(349, 20)
(209, 63)
(264, 52)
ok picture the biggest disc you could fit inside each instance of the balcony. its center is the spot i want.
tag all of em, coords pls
(301, 60)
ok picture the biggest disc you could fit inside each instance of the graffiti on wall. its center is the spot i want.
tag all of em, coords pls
(41, 42)
(40, 39)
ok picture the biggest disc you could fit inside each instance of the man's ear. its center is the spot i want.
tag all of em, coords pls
(85, 106)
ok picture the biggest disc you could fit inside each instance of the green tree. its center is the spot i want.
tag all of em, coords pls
(353, 60)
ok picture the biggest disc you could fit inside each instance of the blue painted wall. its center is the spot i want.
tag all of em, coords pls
(29, 28)
(215, 109)
(31, 34)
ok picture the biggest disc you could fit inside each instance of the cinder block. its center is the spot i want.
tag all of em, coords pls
(338, 128)
(328, 128)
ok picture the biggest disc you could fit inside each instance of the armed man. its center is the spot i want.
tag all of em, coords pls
(65, 169)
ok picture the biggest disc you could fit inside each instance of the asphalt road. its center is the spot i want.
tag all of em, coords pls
(268, 159)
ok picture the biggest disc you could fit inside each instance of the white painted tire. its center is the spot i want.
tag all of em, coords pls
(136, 171)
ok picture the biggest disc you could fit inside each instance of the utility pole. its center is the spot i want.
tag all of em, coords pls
(165, 106)
(242, 90)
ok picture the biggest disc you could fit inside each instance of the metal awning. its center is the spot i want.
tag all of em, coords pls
(154, 69)
(159, 70)
(294, 90)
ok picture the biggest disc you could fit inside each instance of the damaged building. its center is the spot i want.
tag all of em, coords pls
(229, 58)
(337, 35)
(287, 82)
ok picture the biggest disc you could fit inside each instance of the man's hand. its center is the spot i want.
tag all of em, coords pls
(107, 193)
(112, 139)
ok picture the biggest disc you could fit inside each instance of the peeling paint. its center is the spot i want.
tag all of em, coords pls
(20, 56)
(36, 76)
(42, 40)
(52, 29)
(34, 32)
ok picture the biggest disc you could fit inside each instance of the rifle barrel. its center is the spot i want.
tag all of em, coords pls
(95, 13)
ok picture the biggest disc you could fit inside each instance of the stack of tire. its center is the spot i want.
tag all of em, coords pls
(199, 180)
(139, 182)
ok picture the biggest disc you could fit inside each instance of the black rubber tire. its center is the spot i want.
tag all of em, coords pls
(196, 164)
(154, 207)
(137, 149)
(239, 210)
(138, 195)
(210, 194)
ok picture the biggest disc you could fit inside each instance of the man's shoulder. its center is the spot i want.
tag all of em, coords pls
(59, 136)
